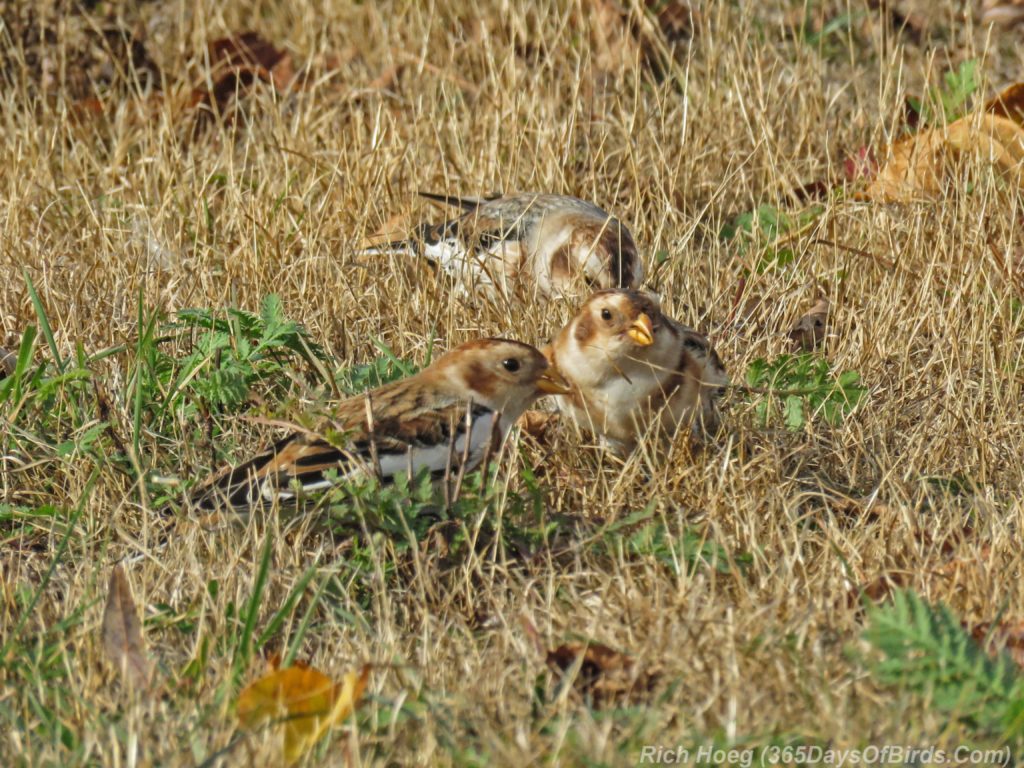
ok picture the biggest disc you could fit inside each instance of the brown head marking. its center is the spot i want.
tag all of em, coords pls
(617, 243)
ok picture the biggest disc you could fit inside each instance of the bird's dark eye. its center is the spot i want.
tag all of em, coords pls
(510, 364)
(606, 315)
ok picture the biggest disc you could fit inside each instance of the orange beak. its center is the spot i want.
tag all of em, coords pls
(642, 330)
(552, 383)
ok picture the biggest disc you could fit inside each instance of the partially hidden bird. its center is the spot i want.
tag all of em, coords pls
(633, 370)
(550, 245)
(444, 419)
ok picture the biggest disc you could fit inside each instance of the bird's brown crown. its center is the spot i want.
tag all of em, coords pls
(492, 366)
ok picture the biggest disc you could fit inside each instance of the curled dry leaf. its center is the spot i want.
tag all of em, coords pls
(922, 165)
(809, 331)
(1008, 103)
(601, 673)
(301, 704)
(122, 633)
(236, 64)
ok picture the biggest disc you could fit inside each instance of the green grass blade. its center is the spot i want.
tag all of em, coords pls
(58, 555)
(307, 618)
(252, 609)
(44, 323)
(282, 613)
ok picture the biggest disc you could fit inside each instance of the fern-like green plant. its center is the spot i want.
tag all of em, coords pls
(232, 353)
(386, 368)
(925, 650)
(806, 387)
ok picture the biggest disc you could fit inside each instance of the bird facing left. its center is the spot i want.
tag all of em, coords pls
(445, 418)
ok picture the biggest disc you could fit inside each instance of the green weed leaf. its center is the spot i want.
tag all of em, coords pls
(924, 649)
(807, 390)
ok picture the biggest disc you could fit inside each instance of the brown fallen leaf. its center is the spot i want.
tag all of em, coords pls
(537, 423)
(249, 50)
(239, 62)
(1005, 13)
(676, 19)
(923, 165)
(955, 571)
(810, 329)
(236, 64)
(122, 633)
(301, 704)
(878, 588)
(1007, 636)
(598, 672)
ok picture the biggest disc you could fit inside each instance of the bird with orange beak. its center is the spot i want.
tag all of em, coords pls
(632, 369)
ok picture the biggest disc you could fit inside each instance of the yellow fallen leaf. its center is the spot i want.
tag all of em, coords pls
(302, 702)
(921, 165)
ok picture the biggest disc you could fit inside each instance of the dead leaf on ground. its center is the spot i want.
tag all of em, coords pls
(876, 589)
(1004, 13)
(810, 329)
(537, 423)
(239, 62)
(236, 64)
(923, 165)
(598, 672)
(1007, 636)
(948, 577)
(301, 704)
(122, 633)
(1008, 103)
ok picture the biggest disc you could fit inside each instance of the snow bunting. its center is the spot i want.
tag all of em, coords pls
(473, 393)
(554, 244)
(630, 367)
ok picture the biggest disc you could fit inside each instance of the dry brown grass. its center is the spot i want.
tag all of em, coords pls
(510, 96)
